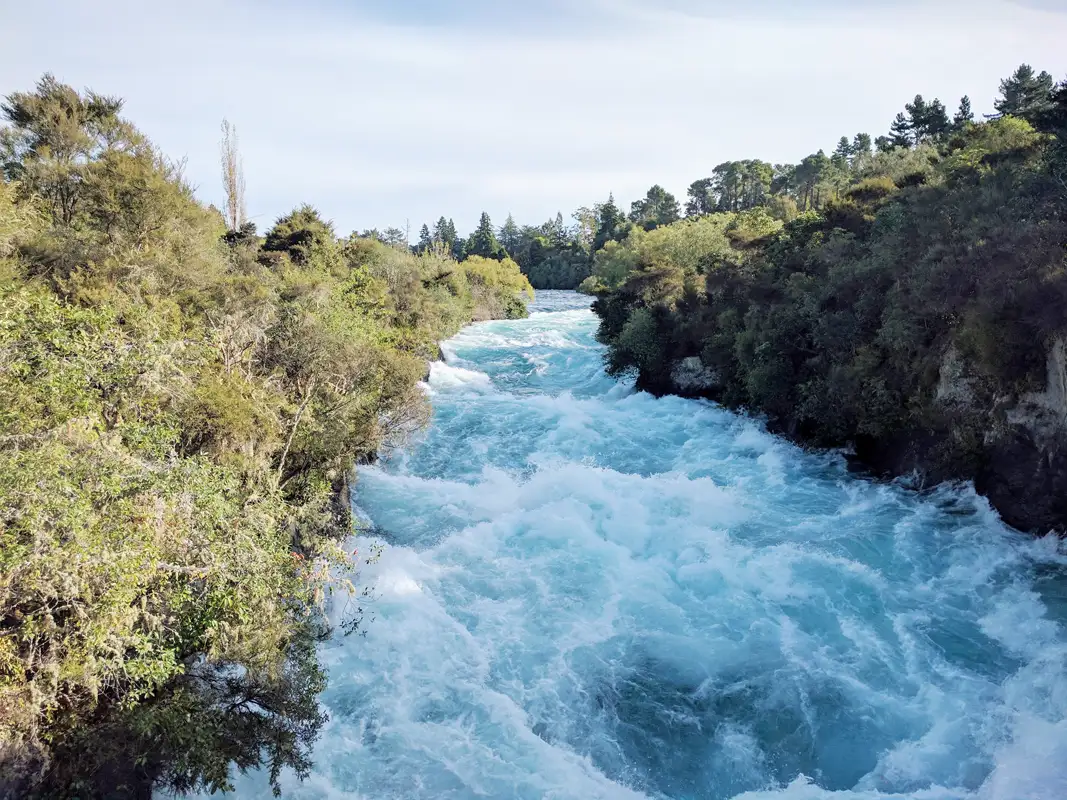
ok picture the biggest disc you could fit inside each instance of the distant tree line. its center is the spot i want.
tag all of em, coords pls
(561, 254)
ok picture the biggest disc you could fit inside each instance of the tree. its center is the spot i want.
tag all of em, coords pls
(586, 225)
(556, 231)
(810, 175)
(916, 112)
(300, 234)
(55, 136)
(609, 223)
(425, 239)
(1025, 95)
(483, 241)
(1054, 120)
(395, 237)
(937, 124)
(444, 235)
(927, 120)
(842, 154)
(862, 147)
(702, 198)
(509, 235)
(783, 179)
(728, 185)
(900, 132)
(658, 207)
(233, 177)
(964, 115)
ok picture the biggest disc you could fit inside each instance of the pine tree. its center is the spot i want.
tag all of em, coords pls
(658, 207)
(937, 121)
(928, 120)
(964, 115)
(842, 153)
(701, 198)
(483, 241)
(900, 132)
(509, 235)
(560, 234)
(425, 240)
(441, 235)
(1025, 95)
(609, 224)
(861, 144)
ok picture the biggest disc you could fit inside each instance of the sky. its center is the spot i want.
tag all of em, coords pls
(392, 113)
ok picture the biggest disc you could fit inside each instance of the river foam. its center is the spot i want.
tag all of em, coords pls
(588, 592)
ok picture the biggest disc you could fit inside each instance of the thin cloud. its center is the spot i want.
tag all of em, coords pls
(381, 118)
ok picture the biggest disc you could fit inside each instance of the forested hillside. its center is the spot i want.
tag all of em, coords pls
(906, 300)
(181, 405)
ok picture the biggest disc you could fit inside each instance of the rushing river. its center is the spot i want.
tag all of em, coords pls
(586, 592)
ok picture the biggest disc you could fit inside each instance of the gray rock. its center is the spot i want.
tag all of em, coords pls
(690, 375)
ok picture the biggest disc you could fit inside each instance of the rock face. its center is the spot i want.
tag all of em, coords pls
(1014, 447)
(690, 377)
(953, 385)
(1025, 474)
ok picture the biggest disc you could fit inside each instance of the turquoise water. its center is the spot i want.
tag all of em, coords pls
(587, 592)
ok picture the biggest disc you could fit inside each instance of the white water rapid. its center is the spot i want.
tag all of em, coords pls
(587, 592)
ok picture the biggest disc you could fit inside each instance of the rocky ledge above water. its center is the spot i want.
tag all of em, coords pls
(1013, 447)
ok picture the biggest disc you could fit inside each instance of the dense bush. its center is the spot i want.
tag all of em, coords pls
(180, 411)
(837, 326)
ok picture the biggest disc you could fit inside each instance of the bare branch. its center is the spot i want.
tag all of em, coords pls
(233, 177)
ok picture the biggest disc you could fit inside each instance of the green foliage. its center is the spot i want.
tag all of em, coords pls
(1026, 94)
(483, 242)
(658, 207)
(983, 146)
(837, 324)
(497, 287)
(180, 410)
(301, 235)
(872, 190)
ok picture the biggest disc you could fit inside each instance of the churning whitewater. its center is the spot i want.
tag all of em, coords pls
(587, 592)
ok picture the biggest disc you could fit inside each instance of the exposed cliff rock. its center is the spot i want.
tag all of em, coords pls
(1025, 470)
(1014, 447)
(954, 386)
(690, 377)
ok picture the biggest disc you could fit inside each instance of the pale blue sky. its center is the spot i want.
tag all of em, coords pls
(384, 112)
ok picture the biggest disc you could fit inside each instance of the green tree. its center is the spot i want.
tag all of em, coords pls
(1025, 94)
(483, 241)
(842, 153)
(425, 239)
(586, 220)
(702, 198)
(927, 120)
(300, 234)
(964, 115)
(610, 223)
(658, 207)
(810, 177)
(54, 136)
(509, 235)
(901, 132)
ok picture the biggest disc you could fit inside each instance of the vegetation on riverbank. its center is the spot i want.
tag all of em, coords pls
(907, 301)
(181, 404)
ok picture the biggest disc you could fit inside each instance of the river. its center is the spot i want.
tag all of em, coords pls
(587, 592)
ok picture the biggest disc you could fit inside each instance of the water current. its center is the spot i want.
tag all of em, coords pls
(587, 592)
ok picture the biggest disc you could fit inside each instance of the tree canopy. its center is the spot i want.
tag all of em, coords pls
(181, 406)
